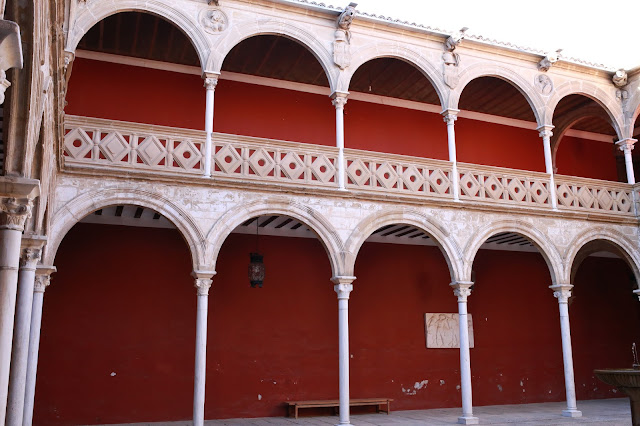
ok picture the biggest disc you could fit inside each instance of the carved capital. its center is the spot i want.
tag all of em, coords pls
(627, 144)
(343, 286)
(203, 280)
(29, 257)
(545, 131)
(450, 115)
(14, 212)
(43, 278)
(562, 292)
(462, 290)
(210, 80)
(339, 99)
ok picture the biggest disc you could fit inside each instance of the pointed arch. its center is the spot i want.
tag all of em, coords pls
(546, 248)
(395, 51)
(431, 226)
(313, 219)
(516, 80)
(238, 33)
(619, 242)
(589, 90)
(96, 11)
(71, 213)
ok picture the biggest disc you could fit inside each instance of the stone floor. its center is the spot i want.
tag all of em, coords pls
(615, 412)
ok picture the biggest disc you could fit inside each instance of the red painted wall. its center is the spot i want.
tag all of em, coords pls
(123, 302)
(100, 89)
(586, 158)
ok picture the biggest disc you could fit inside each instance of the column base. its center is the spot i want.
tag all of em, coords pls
(344, 424)
(464, 420)
(571, 413)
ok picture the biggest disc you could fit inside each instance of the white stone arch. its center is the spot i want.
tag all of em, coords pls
(71, 213)
(90, 13)
(242, 31)
(431, 226)
(314, 220)
(619, 242)
(480, 70)
(395, 51)
(544, 245)
(574, 87)
(633, 113)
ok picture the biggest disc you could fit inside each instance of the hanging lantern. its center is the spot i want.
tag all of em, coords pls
(256, 270)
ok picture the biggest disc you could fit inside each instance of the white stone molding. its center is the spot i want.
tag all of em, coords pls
(77, 208)
(430, 225)
(93, 12)
(575, 87)
(323, 229)
(484, 69)
(621, 244)
(403, 52)
(543, 243)
(248, 28)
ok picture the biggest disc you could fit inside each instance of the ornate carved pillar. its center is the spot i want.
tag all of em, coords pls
(626, 146)
(562, 292)
(203, 280)
(210, 83)
(42, 280)
(343, 288)
(29, 257)
(339, 99)
(545, 134)
(15, 208)
(462, 290)
(450, 116)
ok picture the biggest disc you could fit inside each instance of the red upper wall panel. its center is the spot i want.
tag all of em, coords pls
(129, 93)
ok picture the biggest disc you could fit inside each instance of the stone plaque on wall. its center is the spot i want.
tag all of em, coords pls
(443, 330)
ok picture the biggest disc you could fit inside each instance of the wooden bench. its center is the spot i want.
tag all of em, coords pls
(378, 402)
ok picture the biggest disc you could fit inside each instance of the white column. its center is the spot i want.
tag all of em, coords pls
(562, 292)
(450, 116)
(29, 257)
(42, 280)
(462, 290)
(202, 284)
(13, 214)
(339, 99)
(545, 134)
(626, 146)
(210, 83)
(343, 288)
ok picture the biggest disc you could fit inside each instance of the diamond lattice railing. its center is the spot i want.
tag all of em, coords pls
(595, 195)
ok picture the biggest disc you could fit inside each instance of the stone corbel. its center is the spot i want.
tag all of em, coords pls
(549, 60)
(10, 52)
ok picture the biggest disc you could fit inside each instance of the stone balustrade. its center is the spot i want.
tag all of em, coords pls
(108, 145)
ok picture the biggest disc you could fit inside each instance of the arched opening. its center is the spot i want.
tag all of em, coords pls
(274, 87)
(402, 279)
(394, 108)
(518, 352)
(496, 126)
(137, 67)
(279, 342)
(118, 327)
(604, 315)
(583, 141)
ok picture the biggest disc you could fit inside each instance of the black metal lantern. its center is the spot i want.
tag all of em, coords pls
(256, 270)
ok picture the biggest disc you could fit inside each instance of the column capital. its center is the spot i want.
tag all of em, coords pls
(210, 80)
(462, 289)
(43, 278)
(637, 293)
(203, 280)
(626, 144)
(450, 115)
(562, 292)
(343, 286)
(29, 257)
(545, 130)
(339, 99)
(14, 212)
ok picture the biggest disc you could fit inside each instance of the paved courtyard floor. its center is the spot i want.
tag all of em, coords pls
(614, 412)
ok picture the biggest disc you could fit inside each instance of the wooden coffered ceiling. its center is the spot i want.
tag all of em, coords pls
(147, 36)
